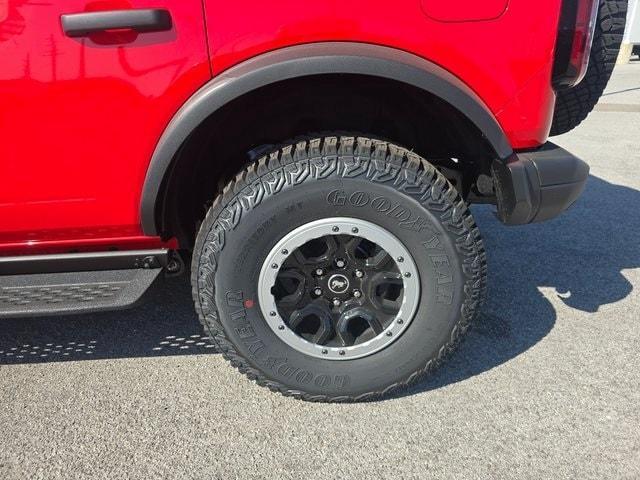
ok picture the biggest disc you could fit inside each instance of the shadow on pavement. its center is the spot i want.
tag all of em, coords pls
(165, 324)
(581, 255)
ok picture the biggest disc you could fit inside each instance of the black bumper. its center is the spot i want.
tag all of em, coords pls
(538, 185)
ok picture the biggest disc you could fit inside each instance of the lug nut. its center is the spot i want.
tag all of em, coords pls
(407, 274)
(340, 263)
(359, 273)
(317, 291)
(336, 302)
(357, 293)
(319, 272)
(354, 230)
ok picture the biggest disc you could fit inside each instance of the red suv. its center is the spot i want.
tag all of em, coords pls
(313, 163)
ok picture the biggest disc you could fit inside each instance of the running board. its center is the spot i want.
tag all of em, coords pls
(76, 282)
(72, 292)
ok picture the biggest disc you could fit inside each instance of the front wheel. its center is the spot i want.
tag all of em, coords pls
(338, 269)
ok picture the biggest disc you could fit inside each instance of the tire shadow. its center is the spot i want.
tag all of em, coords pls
(165, 323)
(581, 255)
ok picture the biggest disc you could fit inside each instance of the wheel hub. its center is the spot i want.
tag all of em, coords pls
(339, 288)
(338, 283)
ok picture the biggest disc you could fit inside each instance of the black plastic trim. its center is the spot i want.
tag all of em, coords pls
(140, 20)
(307, 60)
(538, 185)
(83, 262)
(73, 292)
(564, 74)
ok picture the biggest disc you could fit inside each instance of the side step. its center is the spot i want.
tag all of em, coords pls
(75, 292)
(88, 286)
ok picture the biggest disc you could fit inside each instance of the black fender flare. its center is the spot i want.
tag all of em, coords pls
(307, 60)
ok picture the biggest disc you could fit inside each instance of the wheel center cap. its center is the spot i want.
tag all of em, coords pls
(338, 283)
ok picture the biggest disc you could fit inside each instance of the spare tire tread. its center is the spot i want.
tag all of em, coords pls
(574, 104)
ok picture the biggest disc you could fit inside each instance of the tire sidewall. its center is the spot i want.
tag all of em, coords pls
(255, 230)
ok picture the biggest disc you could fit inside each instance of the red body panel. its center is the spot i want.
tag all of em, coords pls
(506, 61)
(79, 118)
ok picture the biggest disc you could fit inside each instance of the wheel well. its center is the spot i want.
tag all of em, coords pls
(246, 127)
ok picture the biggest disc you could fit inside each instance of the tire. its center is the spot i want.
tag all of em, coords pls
(574, 104)
(359, 180)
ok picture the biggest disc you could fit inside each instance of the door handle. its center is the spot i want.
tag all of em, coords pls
(140, 20)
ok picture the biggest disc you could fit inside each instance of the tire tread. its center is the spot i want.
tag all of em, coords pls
(574, 104)
(311, 159)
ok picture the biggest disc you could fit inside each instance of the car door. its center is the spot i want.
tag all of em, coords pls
(83, 101)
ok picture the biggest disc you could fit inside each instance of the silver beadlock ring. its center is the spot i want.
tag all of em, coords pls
(337, 226)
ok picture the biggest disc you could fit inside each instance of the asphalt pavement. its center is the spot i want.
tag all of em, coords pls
(545, 386)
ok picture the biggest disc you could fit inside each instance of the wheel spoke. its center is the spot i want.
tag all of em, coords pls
(313, 322)
(355, 323)
(317, 251)
(366, 253)
(380, 260)
(385, 291)
(352, 252)
(290, 287)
